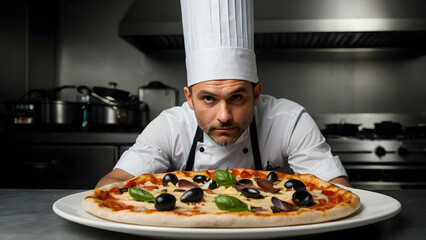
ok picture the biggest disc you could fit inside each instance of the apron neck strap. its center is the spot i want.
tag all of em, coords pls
(255, 145)
(199, 137)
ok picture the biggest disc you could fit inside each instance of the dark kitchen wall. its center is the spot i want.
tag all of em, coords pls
(88, 50)
(92, 53)
(345, 81)
(12, 49)
(27, 46)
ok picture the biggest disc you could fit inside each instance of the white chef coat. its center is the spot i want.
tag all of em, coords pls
(287, 136)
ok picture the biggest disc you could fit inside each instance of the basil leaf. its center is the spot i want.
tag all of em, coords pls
(231, 204)
(224, 178)
(141, 195)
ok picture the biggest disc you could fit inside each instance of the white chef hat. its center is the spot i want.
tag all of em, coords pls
(219, 40)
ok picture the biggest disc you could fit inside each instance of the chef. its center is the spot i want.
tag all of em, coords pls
(226, 121)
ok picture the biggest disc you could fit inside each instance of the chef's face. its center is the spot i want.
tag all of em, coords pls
(224, 108)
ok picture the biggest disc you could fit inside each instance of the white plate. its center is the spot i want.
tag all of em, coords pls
(375, 207)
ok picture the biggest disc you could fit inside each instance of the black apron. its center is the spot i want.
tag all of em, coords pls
(254, 146)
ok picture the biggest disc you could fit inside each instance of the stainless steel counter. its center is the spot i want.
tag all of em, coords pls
(27, 214)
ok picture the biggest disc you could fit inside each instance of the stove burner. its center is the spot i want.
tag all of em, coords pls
(342, 129)
(386, 130)
(418, 132)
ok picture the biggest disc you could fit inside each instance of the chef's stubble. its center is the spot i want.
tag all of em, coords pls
(209, 130)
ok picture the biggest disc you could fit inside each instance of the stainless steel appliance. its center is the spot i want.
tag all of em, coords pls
(382, 154)
(158, 97)
(24, 114)
(284, 24)
(42, 110)
(95, 109)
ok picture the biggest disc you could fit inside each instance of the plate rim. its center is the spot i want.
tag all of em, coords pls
(207, 233)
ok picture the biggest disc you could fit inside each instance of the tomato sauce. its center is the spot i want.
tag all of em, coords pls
(245, 174)
(150, 187)
(131, 183)
(259, 174)
(109, 201)
(210, 174)
(115, 190)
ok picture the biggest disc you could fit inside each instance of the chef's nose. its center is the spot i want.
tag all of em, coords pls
(223, 112)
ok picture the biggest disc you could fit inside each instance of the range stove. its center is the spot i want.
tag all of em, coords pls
(374, 160)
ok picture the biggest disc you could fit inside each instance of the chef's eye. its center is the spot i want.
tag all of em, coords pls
(236, 97)
(208, 99)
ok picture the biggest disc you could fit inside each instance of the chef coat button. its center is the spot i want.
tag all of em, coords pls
(201, 149)
(245, 150)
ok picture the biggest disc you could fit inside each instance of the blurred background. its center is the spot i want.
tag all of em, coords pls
(80, 79)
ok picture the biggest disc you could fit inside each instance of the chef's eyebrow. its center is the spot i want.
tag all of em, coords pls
(205, 92)
(239, 90)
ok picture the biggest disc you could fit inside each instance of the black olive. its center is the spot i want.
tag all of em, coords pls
(192, 195)
(200, 178)
(244, 181)
(165, 202)
(302, 198)
(251, 193)
(272, 176)
(123, 190)
(296, 184)
(170, 177)
(211, 184)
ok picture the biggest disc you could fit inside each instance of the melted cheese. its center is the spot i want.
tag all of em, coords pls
(207, 205)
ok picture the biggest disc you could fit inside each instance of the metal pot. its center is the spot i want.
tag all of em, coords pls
(112, 107)
(101, 114)
(112, 94)
(56, 112)
(61, 113)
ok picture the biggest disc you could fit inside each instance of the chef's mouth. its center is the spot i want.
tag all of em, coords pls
(231, 132)
(223, 131)
(224, 128)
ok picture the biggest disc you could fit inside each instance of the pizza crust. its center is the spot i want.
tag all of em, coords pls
(349, 205)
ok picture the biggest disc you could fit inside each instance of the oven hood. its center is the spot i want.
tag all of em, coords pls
(293, 24)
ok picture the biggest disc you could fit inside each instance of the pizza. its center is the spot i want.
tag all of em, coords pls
(231, 198)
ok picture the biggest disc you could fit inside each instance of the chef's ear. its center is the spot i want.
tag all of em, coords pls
(256, 92)
(188, 95)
